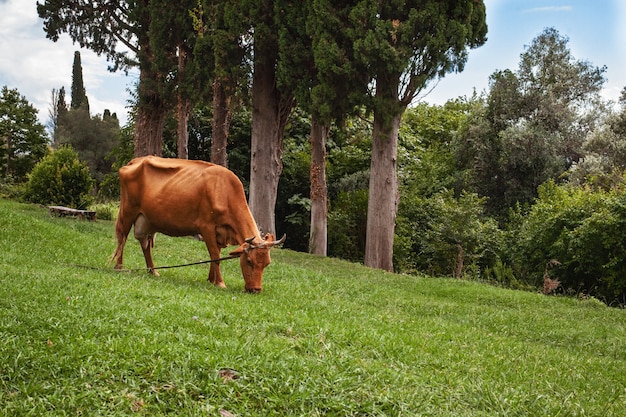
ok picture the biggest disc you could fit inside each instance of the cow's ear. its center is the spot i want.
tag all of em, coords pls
(240, 250)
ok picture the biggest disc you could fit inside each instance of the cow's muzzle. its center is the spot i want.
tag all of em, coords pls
(253, 290)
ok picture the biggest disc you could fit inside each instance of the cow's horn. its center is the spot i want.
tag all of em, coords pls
(279, 242)
(249, 242)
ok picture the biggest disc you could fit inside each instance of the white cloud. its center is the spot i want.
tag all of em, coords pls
(34, 65)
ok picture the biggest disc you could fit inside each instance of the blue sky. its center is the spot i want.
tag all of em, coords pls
(596, 30)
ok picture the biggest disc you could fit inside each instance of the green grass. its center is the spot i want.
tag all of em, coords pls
(325, 337)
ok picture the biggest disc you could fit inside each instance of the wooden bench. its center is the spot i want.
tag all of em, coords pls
(66, 211)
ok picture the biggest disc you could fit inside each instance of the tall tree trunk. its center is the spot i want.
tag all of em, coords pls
(269, 116)
(383, 198)
(318, 241)
(221, 122)
(150, 115)
(183, 109)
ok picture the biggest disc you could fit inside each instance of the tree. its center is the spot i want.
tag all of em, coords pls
(23, 139)
(223, 44)
(582, 230)
(172, 38)
(92, 138)
(53, 113)
(427, 152)
(61, 114)
(445, 235)
(271, 106)
(534, 123)
(332, 88)
(79, 94)
(404, 45)
(604, 160)
(100, 26)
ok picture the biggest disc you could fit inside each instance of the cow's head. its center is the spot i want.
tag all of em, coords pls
(253, 259)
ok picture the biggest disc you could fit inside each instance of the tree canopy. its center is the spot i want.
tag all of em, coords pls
(23, 139)
(436, 188)
(534, 123)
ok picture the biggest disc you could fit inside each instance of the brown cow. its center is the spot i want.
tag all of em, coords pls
(187, 198)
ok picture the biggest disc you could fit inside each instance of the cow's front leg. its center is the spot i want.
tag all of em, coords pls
(215, 275)
(145, 236)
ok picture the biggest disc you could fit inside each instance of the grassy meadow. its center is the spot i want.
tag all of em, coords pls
(325, 338)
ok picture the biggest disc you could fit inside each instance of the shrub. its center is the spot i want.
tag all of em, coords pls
(583, 230)
(9, 188)
(347, 221)
(444, 235)
(106, 211)
(60, 179)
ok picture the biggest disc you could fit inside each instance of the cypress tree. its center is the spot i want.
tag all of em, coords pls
(59, 114)
(79, 95)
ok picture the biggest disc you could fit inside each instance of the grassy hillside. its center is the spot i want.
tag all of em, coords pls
(324, 338)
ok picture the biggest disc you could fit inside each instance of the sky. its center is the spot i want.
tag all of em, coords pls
(34, 65)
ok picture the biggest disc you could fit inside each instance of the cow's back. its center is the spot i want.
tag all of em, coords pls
(179, 196)
(151, 177)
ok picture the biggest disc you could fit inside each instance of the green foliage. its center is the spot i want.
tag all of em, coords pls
(98, 26)
(93, 138)
(532, 125)
(106, 211)
(325, 337)
(60, 179)
(426, 154)
(347, 220)
(11, 189)
(448, 236)
(293, 207)
(79, 94)
(120, 154)
(583, 230)
(23, 139)
(604, 161)
(390, 38)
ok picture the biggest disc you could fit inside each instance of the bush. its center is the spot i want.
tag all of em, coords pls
(444, 235)
(347, 225)
(60, 179)
(11, 189)
(106, 211)
(584, 231)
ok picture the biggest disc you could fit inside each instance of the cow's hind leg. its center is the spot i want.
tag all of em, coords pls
(145, 236)
(122, 228)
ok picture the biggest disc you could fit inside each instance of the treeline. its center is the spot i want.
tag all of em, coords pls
(520, 184)
(330, 59)
(93, 137)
